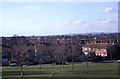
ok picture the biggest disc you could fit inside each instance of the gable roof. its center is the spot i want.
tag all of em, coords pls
(99, 45)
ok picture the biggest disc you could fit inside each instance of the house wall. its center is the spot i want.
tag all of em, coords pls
(98, 52)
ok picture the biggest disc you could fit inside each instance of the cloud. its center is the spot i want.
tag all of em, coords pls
(76, 22)
(110, 10)
(107, 21)
(94, 25)
(80, 22)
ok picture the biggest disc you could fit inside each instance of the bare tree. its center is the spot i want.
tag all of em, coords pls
(21, 51)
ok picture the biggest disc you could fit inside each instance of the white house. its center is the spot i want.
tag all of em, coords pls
(100, 49)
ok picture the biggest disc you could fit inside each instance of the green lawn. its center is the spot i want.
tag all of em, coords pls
(80, 71)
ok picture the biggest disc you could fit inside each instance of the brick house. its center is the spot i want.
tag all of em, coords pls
(100, 49)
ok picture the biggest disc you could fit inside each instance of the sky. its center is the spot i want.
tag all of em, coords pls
(57, 18)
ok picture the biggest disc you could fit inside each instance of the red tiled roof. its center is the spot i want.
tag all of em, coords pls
(99, 45)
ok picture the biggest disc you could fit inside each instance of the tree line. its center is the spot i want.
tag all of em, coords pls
(57, 49)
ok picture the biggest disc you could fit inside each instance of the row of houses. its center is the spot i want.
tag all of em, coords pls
(97, 44)
(99, 49)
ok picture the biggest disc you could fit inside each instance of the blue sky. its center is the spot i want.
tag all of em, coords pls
(56, 18)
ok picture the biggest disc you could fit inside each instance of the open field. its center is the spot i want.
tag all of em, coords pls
(80, 71)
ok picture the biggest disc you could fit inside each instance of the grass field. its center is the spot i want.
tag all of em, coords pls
(80, 71)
